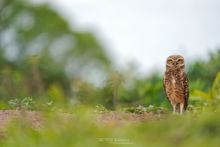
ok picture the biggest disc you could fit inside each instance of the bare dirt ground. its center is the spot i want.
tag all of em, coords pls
(118, 118)
(104, 118)
(6, 116)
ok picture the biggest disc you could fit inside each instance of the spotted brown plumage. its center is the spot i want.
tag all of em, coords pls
(176, 83)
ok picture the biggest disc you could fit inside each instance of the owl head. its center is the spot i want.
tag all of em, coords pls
(175, 62)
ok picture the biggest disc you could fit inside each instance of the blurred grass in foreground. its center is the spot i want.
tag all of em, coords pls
(79, 126)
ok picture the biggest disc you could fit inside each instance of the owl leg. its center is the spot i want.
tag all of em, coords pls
(181, 108)
(174, 108)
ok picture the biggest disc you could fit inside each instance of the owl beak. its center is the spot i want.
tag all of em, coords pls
(175, 63)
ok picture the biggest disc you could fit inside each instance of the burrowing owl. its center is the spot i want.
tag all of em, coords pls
(176, 83)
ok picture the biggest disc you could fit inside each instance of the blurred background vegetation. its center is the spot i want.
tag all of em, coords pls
(46, 64)
(43, 58)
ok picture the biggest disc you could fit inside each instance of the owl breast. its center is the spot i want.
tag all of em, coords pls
(173, 81)
(174, 89)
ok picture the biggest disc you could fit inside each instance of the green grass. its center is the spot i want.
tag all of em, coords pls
(197, 127)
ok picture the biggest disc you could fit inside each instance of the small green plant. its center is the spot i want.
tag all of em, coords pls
(100, 109)
(26, 103)
(50, 105)
(15, 103)
(141, 109)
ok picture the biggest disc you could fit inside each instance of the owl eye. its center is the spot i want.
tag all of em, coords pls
(169, 61)
(180, 61)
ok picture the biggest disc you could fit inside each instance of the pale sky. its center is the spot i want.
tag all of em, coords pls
(147, 31)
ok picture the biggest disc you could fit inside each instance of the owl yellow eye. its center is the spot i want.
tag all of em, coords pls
(169, 61)
(180, 61)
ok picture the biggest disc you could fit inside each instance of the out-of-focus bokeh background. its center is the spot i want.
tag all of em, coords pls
(98, 52)
(145, 31)
(72, 56)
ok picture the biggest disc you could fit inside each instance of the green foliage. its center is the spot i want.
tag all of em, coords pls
(38, 49)
(203, 72)
(112, 90)
(141, 109)
(29, 103)
(55, 93)
(26, 103)
(39, 59)
(215, 91)
(100, 109)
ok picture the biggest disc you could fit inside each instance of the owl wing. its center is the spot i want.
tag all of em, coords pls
(164, 86)
(186, 89)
